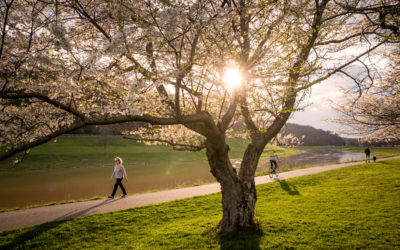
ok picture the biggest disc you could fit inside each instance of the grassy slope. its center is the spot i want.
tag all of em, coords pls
(380, 152)
(84, 151)
(355, 207)
(81, 151)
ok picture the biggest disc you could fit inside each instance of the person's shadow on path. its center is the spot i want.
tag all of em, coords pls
(38, 230)
(80, 213)
(289, 188)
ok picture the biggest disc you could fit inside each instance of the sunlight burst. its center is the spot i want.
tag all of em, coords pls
(232, 78)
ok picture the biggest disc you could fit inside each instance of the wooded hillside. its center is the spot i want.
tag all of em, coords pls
(313, 136)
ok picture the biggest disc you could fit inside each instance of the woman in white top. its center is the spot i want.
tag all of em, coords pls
(119, 173)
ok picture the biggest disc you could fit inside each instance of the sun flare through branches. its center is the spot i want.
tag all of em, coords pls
(232, 78)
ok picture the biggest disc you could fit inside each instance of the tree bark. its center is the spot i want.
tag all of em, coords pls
(238, 194)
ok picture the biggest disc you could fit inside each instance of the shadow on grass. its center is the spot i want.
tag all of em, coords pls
(383, 162)
(289, 188)
(245, 239)
(21, 240)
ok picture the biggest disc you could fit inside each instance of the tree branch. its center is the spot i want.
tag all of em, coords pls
(41, 140)
(227, 118)
(339, 68)
(247, 116)
(3, 34)
(81, 9)
(160, 88)
(345, 38)
(257, 53)
(42, 97)
(187, 68)
(189, 121)
(176, 146)
(382, 9)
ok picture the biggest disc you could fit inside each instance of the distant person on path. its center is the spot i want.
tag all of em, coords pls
(273, 156)
(119, 174)
(374, 158)
(367, 154)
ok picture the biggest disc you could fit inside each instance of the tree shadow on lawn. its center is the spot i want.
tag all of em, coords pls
(36, 231)
(21, 240)
(245, 239)
(289, 188)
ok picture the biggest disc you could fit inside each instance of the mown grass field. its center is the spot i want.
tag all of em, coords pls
(356, 207)
(380, 152)
(88, 151)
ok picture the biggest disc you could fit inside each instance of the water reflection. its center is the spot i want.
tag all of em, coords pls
(319, 157)
(23, 188)
(308, 158)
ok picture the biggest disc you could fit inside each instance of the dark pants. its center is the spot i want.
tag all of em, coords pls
(274, 165)
(118, 183)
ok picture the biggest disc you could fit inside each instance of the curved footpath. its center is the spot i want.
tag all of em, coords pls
(39, 215)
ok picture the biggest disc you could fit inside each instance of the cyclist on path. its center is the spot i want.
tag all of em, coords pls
(273, 156)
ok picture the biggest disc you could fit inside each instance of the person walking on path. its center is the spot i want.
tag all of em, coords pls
(273, 156)
(119, 174)
(367, 154)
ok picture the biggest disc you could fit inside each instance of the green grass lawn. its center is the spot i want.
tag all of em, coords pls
(84, 151)
(88, 151)
(355, 207)
(380, 152)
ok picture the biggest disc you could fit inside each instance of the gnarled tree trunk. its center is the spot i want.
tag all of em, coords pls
(238, 191)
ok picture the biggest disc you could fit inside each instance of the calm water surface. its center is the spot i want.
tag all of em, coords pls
(23, 188)
(319, 157)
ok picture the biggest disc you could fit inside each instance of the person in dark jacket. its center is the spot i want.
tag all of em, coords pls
(367, 155)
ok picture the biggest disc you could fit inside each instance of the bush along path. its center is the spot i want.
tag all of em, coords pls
(39, 215)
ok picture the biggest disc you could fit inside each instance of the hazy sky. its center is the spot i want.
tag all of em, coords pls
(323, 94)
(320, 111)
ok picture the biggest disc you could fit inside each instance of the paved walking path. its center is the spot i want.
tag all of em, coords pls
(39, 215)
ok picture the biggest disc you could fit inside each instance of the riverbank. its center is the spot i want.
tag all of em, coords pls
(380, 152)
(354, 207)
(97, 151)
(258, 174)
(77, 168)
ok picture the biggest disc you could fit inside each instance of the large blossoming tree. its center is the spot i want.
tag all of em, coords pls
(374, 115)
(72, 63)
(371, 110)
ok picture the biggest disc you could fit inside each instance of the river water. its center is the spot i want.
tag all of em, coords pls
(23, 188)
(317, 157)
